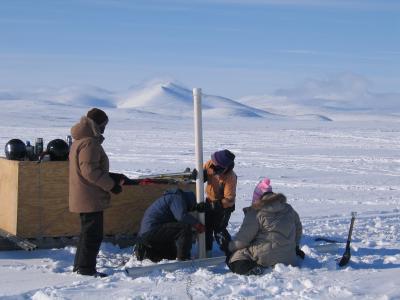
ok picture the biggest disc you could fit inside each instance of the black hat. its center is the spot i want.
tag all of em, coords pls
(223, 158)
(98, 116)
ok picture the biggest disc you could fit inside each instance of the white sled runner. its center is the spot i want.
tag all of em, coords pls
(136, 272)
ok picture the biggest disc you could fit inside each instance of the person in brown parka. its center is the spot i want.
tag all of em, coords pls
(90, 185)
(270, 234)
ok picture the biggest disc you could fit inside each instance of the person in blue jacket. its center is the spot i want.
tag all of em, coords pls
(166, 228)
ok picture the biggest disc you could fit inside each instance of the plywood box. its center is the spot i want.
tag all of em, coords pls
(34, 201)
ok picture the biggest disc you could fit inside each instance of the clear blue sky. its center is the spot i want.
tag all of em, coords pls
(228, 47)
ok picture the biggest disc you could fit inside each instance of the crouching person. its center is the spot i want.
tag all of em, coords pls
(270, 234)
(166, 228)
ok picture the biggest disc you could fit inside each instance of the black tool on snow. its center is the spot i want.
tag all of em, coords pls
(346, 256)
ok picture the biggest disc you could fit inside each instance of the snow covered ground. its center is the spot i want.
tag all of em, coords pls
(326, 170)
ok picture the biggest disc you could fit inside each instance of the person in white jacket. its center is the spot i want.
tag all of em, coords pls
(270, 234)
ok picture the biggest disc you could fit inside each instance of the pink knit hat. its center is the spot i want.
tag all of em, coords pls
(262, 187)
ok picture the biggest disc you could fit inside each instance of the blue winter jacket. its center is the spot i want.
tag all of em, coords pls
(173, 206)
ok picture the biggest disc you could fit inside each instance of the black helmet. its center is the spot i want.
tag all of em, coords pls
(58, 149)
(15, 149)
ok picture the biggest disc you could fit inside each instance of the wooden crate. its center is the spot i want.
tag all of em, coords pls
(34, 201)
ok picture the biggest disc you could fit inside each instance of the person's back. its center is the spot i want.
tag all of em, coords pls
(279, 231)
(170, 207)
(166, 228)
(270, 232)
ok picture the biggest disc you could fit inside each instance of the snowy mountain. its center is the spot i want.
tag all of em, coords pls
(169, 98)
(342, 97)
(164, 98)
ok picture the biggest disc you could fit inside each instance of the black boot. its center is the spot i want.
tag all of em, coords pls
(91, 273)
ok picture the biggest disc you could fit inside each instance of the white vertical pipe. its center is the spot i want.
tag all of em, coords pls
(198, 133)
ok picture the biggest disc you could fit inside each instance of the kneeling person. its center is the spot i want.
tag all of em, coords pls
(166, 228)
(270, 234)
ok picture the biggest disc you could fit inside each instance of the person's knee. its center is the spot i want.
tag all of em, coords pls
(185, 230)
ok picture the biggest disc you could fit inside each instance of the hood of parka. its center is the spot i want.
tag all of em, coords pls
(271, 202)
(86, 128)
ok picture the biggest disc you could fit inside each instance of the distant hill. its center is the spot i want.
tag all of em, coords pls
(343, 97)
(169, 98)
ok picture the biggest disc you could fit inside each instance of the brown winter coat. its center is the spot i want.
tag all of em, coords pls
(89, 180)
(269, 234)
(220, 186)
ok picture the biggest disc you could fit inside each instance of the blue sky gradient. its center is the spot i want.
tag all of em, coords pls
(232, 48)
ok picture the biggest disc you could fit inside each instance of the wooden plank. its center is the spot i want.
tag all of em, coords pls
(43, 201)
(8, 195)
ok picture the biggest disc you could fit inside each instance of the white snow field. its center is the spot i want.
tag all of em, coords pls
(327, 169)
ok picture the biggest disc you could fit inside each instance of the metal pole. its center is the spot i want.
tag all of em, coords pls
(198, 132)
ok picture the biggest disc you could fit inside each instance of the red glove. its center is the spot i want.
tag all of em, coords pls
(200, 228)
(146, 181)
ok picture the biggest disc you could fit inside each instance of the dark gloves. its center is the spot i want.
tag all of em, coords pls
(194, 174)
(200, 228)
(116, 189)
(118, 177)
(300, 252)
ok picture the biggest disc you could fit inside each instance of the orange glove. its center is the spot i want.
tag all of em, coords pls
(200, 228)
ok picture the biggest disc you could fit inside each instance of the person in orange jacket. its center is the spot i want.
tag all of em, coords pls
(220, 194)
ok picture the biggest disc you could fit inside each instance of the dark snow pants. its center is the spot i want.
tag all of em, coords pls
(216, 221)
(169, 241)
(89, 242)
(241, 267)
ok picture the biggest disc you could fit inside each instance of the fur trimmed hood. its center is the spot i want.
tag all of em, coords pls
(86, 128)
(270, 202)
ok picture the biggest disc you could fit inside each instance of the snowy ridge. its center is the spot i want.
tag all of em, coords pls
(169, 98)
